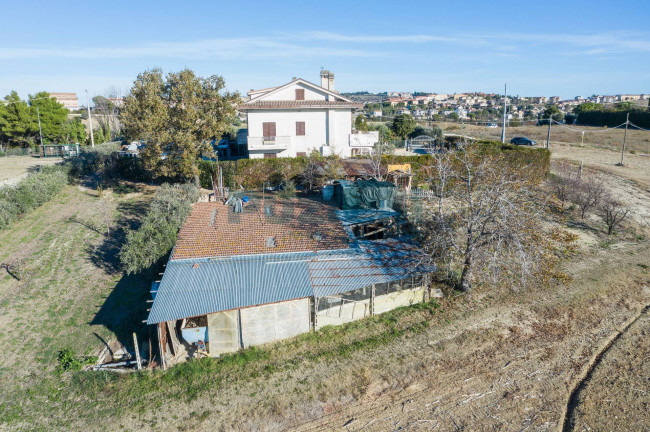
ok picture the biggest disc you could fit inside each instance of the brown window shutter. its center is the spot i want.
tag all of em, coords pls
(300, 94)
(298, 154)
(268, 129)
(300, 128)
(270, 155)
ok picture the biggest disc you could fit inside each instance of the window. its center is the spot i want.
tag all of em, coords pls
(298, 154)
(300, 94)
(270, 155)
(300, 128)
(268, 129)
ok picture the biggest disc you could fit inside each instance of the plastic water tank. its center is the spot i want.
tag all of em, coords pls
(328, 192)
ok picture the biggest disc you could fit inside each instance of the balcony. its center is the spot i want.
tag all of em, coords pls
(268, 143)
(368, 139)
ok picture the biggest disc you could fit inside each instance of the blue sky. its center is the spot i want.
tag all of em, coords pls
(565, 48)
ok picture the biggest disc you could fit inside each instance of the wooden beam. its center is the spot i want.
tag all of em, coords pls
(137, 351)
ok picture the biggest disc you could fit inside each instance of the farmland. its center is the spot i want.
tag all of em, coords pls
(638, 141)
(499, 359)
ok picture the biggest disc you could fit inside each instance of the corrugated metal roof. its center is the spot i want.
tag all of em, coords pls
(200, 286)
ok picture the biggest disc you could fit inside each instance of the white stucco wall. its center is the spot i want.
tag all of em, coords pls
(285, 126)
(289, 93)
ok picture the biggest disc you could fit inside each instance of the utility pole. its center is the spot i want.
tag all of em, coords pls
(90, 120)
(40, 131)
(505, 102)
(627, 120)
(548, 135)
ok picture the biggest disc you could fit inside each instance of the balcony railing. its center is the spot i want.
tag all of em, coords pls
(268, 142)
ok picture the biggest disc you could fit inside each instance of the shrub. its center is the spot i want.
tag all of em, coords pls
(156, 236)
(30, 193)
(68, 361)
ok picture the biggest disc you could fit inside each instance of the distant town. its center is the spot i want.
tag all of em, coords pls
(477, 106)
(471, 106)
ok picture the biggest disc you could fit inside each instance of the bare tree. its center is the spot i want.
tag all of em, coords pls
(614, 213)
(107, 210)
(486, 216)
(313, 170)
(588, 193)
(563, 182)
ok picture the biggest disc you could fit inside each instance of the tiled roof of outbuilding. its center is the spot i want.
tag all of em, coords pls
(213, 229)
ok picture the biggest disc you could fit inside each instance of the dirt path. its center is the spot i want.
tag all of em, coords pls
(579, 387)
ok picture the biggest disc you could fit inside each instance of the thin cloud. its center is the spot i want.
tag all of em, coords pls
(596, 43)
(224, 49)
(419, 38)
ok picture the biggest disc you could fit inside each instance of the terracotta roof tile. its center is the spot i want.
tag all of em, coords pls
(291, 223)
(281, 104)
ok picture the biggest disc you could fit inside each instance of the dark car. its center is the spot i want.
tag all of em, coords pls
(522, 141)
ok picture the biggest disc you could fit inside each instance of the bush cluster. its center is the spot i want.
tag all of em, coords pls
(30, 193)
(156, 236)
(253, 173)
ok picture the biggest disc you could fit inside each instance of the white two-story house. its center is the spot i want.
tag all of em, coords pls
(296, 118)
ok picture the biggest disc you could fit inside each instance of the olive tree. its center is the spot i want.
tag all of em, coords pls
(177, 116)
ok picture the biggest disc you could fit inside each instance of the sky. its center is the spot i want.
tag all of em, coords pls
(566, 48)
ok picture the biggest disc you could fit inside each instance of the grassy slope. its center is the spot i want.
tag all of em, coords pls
(67, 295)
(69, 285)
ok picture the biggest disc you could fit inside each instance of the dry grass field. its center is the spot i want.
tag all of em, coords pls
(637, 141)
(498, 360)
(14, 168)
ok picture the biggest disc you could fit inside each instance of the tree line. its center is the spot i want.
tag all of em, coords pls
(594, 114)
(19, 122)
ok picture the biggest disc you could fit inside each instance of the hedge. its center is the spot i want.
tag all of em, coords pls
(30, 193)
(613, 117)
(253, 173)
(156, 236)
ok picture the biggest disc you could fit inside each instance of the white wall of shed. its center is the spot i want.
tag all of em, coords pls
(268, 323)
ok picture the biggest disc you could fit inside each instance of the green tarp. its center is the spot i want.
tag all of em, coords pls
(365, 194)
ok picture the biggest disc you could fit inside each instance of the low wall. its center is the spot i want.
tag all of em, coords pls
(275, 321)
(343, 313)
(229, 331)
(387, 302)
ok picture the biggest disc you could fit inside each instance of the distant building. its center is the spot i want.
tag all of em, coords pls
(295, 118)
(117, 102)
(68, 100)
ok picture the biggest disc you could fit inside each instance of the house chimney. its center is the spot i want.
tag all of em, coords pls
(327, 80)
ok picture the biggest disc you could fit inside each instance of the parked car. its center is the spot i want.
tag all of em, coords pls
(522, 141)
(492, 125)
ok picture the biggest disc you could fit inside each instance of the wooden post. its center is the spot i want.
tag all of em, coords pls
(161, 346)
(137, 351)
(580, 171)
